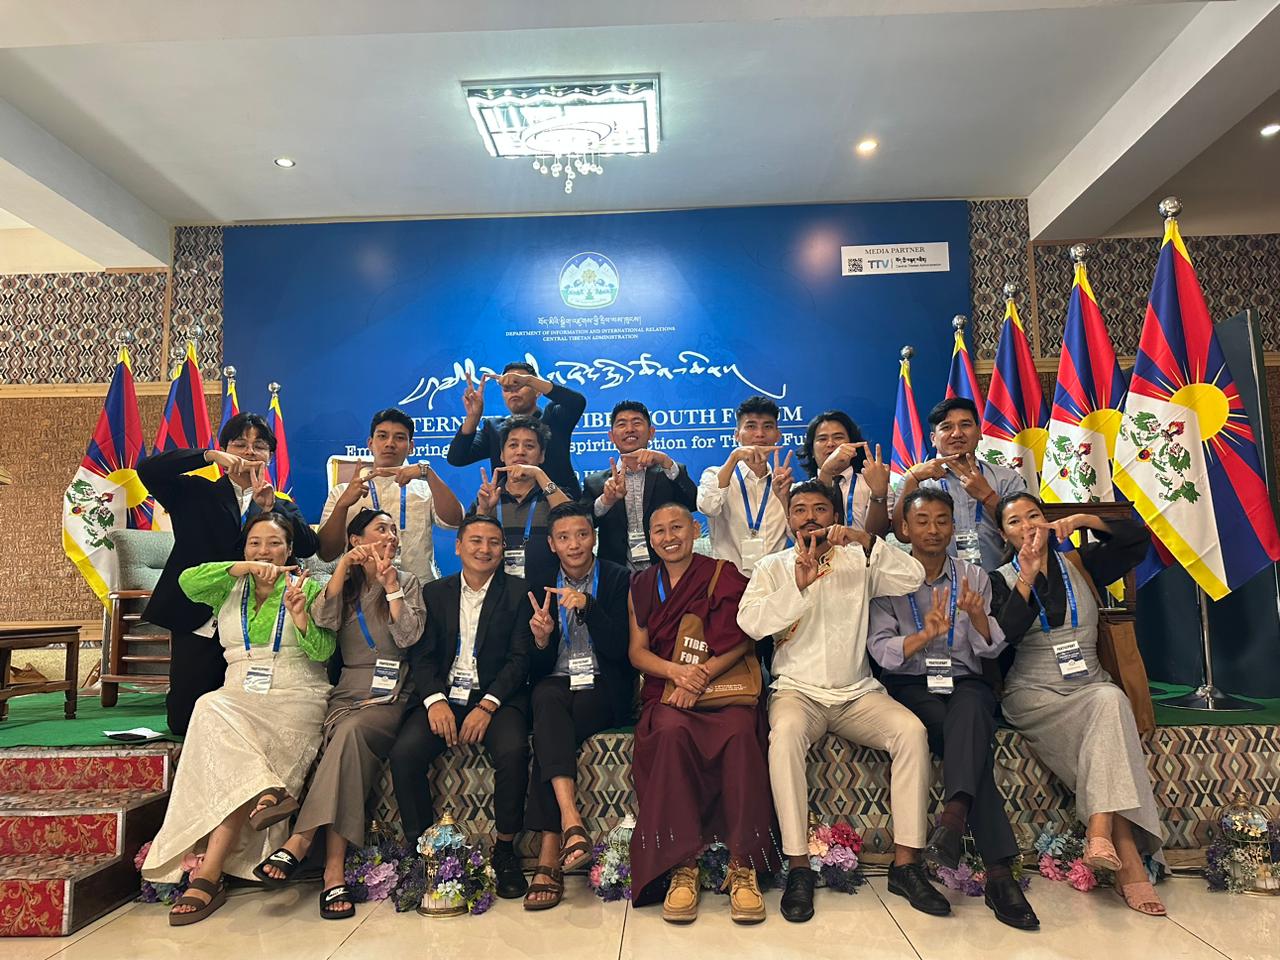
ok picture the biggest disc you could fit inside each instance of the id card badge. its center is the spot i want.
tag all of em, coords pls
(460, 689)
(386, 676)
(1070, 660)
(513, 562)
(938, 674)
(258, 679)
(637, 547)
(751, 549)
(581, 673)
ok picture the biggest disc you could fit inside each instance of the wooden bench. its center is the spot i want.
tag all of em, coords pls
(30, 636)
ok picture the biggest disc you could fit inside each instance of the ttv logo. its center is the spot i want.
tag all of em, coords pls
(879, 264)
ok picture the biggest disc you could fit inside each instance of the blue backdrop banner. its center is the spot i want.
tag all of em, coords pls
(687, 311)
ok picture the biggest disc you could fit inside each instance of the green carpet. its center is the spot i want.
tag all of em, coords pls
(37, 720)
(1269, 712)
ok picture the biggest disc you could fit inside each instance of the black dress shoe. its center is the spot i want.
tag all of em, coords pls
(1005, 898)
(797, 899)
(511, 882)
(944, 847)
(910, 881)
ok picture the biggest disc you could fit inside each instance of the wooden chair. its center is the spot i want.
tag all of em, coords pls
(135, 652)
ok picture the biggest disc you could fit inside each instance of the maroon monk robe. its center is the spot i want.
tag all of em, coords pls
(700, 776)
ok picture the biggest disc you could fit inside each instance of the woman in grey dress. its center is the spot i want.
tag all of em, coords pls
(377, 612)
(1078, 722)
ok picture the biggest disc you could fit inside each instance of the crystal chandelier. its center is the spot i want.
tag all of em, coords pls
(566, 126)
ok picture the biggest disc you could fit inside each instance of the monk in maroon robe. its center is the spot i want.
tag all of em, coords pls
(701, 776)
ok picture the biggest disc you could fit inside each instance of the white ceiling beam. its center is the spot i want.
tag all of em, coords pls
(70, 22)
(1212, 75)
(54, 189)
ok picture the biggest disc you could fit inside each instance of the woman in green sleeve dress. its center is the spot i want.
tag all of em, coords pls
(252, 741)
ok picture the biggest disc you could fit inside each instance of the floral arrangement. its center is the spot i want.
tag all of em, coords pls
(610, 872)
(833, 856)
(372, 871)
(166, 893)
(1060, 857)
(970, 876)
(463, 875)
(1243, 856)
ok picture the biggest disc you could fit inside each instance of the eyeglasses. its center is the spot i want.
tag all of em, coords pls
(239, 445)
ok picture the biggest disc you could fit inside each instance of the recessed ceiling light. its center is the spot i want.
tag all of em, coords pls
(283, 162)
(1271, 129)
(868, 147)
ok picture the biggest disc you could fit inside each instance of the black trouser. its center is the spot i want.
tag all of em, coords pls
(196, 667)
(507, 744)
(562, 720)
(962, 726)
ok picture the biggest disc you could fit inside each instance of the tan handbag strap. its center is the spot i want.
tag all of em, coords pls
(1077, 561)
(711, 587)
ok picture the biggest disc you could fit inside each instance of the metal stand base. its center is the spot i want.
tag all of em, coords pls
(1209, 699)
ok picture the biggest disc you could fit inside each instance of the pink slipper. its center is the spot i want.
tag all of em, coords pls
(1100, 854)
(1141, 896)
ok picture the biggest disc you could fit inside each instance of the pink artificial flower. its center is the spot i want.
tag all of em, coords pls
(846, 836)
(1081, 877)
(142, 855)
(1049, 868)
(595, 875)
(191, 862)
(817, 848)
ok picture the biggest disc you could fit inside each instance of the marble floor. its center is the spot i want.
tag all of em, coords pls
(285, 925)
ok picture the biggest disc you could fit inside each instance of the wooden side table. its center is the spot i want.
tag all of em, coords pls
(29, 636)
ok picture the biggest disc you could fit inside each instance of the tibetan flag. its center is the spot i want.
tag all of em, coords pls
(962, 381)
(230, 405)
(279, 467)
(1186, 455)
(1013, 422)
(1086, 406)
(185, 424)
(106, 494)
(908, 437)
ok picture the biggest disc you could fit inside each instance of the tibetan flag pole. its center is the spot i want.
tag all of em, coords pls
(230, 402)
(1186, 455)
(278, 469)
(962, 379)
(1014, 419)
(908, 435)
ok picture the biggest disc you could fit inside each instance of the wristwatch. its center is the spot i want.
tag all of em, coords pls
(550, 488)
(423, 467)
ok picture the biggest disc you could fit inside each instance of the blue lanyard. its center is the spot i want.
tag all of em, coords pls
(746, 502)
(564, 613)
(364, 627)
(662, 591)
(244, 616)
(1071, 595)
(955, 593)
(404, 494)
(977, 504)
(528, 524)
(848, 500)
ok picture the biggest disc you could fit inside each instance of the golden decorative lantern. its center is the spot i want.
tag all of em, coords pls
(1250, 862)
(444, 835)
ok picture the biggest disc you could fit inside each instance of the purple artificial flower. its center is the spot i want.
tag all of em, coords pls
(379, 879)
(450, 869)
(482, 904)
(841, 857)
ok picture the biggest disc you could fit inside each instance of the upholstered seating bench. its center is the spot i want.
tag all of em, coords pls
(1195, 771)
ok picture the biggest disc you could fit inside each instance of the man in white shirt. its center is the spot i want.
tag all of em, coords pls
(835, 453)
(745, 502)
(818, 596)
(411, 493)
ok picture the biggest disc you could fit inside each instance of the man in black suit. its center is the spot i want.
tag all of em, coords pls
(470, 671)
(583, 682)
(639, 479)
(207, 520)
(480, 439)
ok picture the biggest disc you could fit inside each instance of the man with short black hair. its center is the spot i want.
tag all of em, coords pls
(207, 520)
(412, 493)
(747, 527)
(975, 486)
(470, 670)
(623, 497)
(478, 439)
(932, 644)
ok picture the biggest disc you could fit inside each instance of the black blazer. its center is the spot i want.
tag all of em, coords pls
(206, 528)
(657, 491)
(609, 626)
(503, 639)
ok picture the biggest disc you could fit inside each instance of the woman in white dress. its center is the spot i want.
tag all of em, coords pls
(251, 742)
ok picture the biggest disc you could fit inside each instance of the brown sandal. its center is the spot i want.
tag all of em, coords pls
(575, 853)
(281, 807)
(217, 897)
(1141, 894)
(553, 885)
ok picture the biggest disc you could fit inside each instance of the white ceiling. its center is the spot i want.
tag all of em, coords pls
(756, 111)
(9, 222)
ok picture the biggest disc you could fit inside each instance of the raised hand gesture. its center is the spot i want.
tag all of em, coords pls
(520, 472)
(385, 567)
(646, 458)
(357, 489)
(1031, 555)
(238, 467)
(937, 621)
(973, 604)
(541, 623)
(971, 478)
(490, 493)
(875, 474)
(934, 469)
(473, 398)
(842, 536)
(783, 478)
(1064, 528)
(806, 560)
(615, 488)
(264, 494)
(511, 379)
(756, 458)
(570, 599)
(839, 459)
(295, 600)
(267, 573)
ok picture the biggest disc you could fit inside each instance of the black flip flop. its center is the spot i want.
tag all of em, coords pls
(282, 860)
(338, 894)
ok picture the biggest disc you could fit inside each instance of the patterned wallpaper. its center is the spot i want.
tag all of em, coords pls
(197, 294)
(998, 233)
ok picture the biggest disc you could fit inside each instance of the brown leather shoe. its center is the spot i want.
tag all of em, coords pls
(681, 903)
(746, 904)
